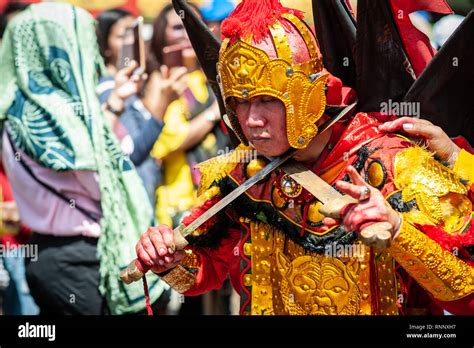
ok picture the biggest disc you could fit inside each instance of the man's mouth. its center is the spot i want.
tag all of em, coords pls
(258, 138)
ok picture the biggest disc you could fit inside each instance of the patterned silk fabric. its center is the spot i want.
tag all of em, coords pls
(50, 66)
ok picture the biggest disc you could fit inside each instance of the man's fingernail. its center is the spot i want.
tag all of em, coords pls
(162, 251)
(407, 126)
(161, 263)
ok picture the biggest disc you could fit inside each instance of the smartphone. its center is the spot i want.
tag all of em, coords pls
(133, 47)
(173, 56)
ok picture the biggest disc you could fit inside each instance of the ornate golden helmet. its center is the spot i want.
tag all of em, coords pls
(268, 49)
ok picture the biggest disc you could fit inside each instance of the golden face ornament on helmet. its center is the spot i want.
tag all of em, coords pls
(246, 71)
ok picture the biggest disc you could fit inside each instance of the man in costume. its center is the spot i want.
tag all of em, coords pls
(282, 254)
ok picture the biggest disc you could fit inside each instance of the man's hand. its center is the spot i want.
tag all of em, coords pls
(156, 249)
(371, 208)
(436, 139)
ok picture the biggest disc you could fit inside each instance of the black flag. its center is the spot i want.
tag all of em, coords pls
(206, 46)
(444, 89)
(336, 33)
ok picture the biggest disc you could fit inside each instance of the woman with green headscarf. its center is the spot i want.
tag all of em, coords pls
(73, 186)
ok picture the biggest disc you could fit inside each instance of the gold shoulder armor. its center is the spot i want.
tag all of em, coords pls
(219, 167)
(439, 192)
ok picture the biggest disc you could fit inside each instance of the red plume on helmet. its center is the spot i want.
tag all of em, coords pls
(254, 17)
(268, 49)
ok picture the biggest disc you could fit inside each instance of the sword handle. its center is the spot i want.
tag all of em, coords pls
(137, 269)
(335, 208)
(134, 271)
(376, 235)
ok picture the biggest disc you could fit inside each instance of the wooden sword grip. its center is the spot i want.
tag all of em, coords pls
(377, 235)
(137, 269)
(334, 208)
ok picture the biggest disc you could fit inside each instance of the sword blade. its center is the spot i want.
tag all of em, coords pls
(275, 163)
(311, 182)
(187, 230)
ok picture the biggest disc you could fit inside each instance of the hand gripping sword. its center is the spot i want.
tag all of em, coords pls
(377, 234)
(136, 269)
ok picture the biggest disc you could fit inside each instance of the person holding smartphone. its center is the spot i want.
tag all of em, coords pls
(122, 91)
(192, 132)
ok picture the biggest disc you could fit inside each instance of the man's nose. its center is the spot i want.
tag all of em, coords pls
(255, 118)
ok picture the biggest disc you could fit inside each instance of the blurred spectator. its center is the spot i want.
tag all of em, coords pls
(16, 295)
(136, 127)
(80, 196)
(16, 299)
(214, 12)
(191, 123)
(111, 27)
(192, 132)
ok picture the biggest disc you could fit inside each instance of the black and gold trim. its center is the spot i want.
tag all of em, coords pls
(264, 211)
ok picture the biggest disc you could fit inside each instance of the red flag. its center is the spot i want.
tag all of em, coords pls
(417, 44)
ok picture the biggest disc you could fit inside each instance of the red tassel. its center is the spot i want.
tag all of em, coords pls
(149, 310)
(305, 219)
(254, 17)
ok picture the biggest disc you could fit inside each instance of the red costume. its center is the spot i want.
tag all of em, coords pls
(381, 158)
(271, 240)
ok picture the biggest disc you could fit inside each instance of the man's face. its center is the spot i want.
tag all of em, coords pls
(263, 122)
